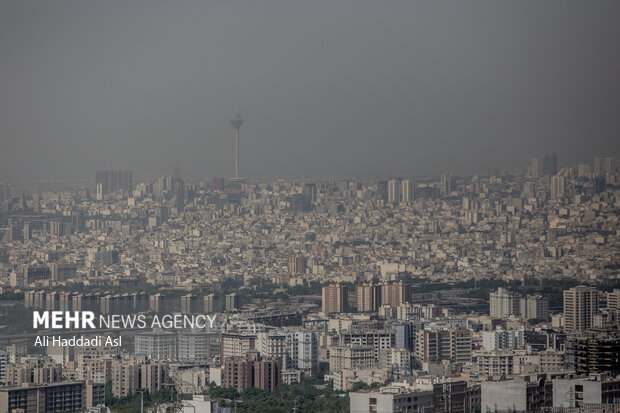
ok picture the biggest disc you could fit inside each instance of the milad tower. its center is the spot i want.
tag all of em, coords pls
(236, 123)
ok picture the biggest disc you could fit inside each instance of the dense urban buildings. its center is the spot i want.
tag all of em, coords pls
(456, 293)
(107, 182)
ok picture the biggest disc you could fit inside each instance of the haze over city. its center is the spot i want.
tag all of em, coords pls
(227, 206)
(325, 88)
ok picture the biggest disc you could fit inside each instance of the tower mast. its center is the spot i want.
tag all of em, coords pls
(236, 123)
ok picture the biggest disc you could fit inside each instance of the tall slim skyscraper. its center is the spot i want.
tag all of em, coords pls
(550, 164)
(446, 183)
(558, 187)
(179, 191)
(537, 168)
(393, 191)
(581, 304)
(407, 191)
(236, 123)
(5, 192)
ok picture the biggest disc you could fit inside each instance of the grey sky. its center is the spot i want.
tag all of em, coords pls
(325, 87)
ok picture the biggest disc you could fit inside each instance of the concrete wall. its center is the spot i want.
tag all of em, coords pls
(564, 392)
(503, 395)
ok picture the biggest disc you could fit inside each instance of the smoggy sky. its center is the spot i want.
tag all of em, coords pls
(326, 87)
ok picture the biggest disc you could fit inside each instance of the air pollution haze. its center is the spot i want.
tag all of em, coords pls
(325, 87)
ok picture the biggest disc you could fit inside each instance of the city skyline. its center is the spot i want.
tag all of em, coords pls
(397, 289)
(533, 169)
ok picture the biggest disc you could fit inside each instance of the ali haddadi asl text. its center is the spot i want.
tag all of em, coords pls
(81, 341)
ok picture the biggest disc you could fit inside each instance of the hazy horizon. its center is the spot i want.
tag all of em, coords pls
(325, 88)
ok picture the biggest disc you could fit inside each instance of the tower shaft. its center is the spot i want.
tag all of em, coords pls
(236, 123)
(236, 153)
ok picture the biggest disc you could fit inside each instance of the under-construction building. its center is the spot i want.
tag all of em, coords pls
(596, 351)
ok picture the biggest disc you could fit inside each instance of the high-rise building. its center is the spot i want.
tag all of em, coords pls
(179, 191)
(252, 371)
(395, 294)
(190, 304)
(231, 302)
(297, 264)
(382, 190)
(613, 299)
(163, 184)
(158, 345)
(55, 226)
(68, 397)
(504, 303)
(130, 375)
(368, 297)
(62, 271)
(393, 191)
(495, 363)
(356, 357)
(99, 192)
(534, 307)
(162, 213)
(33, 273)
(335, 298)
(537, 168)
(558, 187)
(156, 303)
(454, 344)
(503, 339)
(604, 165)
(272, 344)
(210, 303)
(594, 352)
(584, 170)
(113, 181)
(124, 378)
(78, 221)
(197, 347)
(153, 376)
(4, 360)
(407, 191)
(550, 164)
(310, 192)
(236, 344)
(102, 181)
(35, 370)
(598, 184)
(5, 192)
(217, 184)
(302, 350)
(446, 183)
(581, 304)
